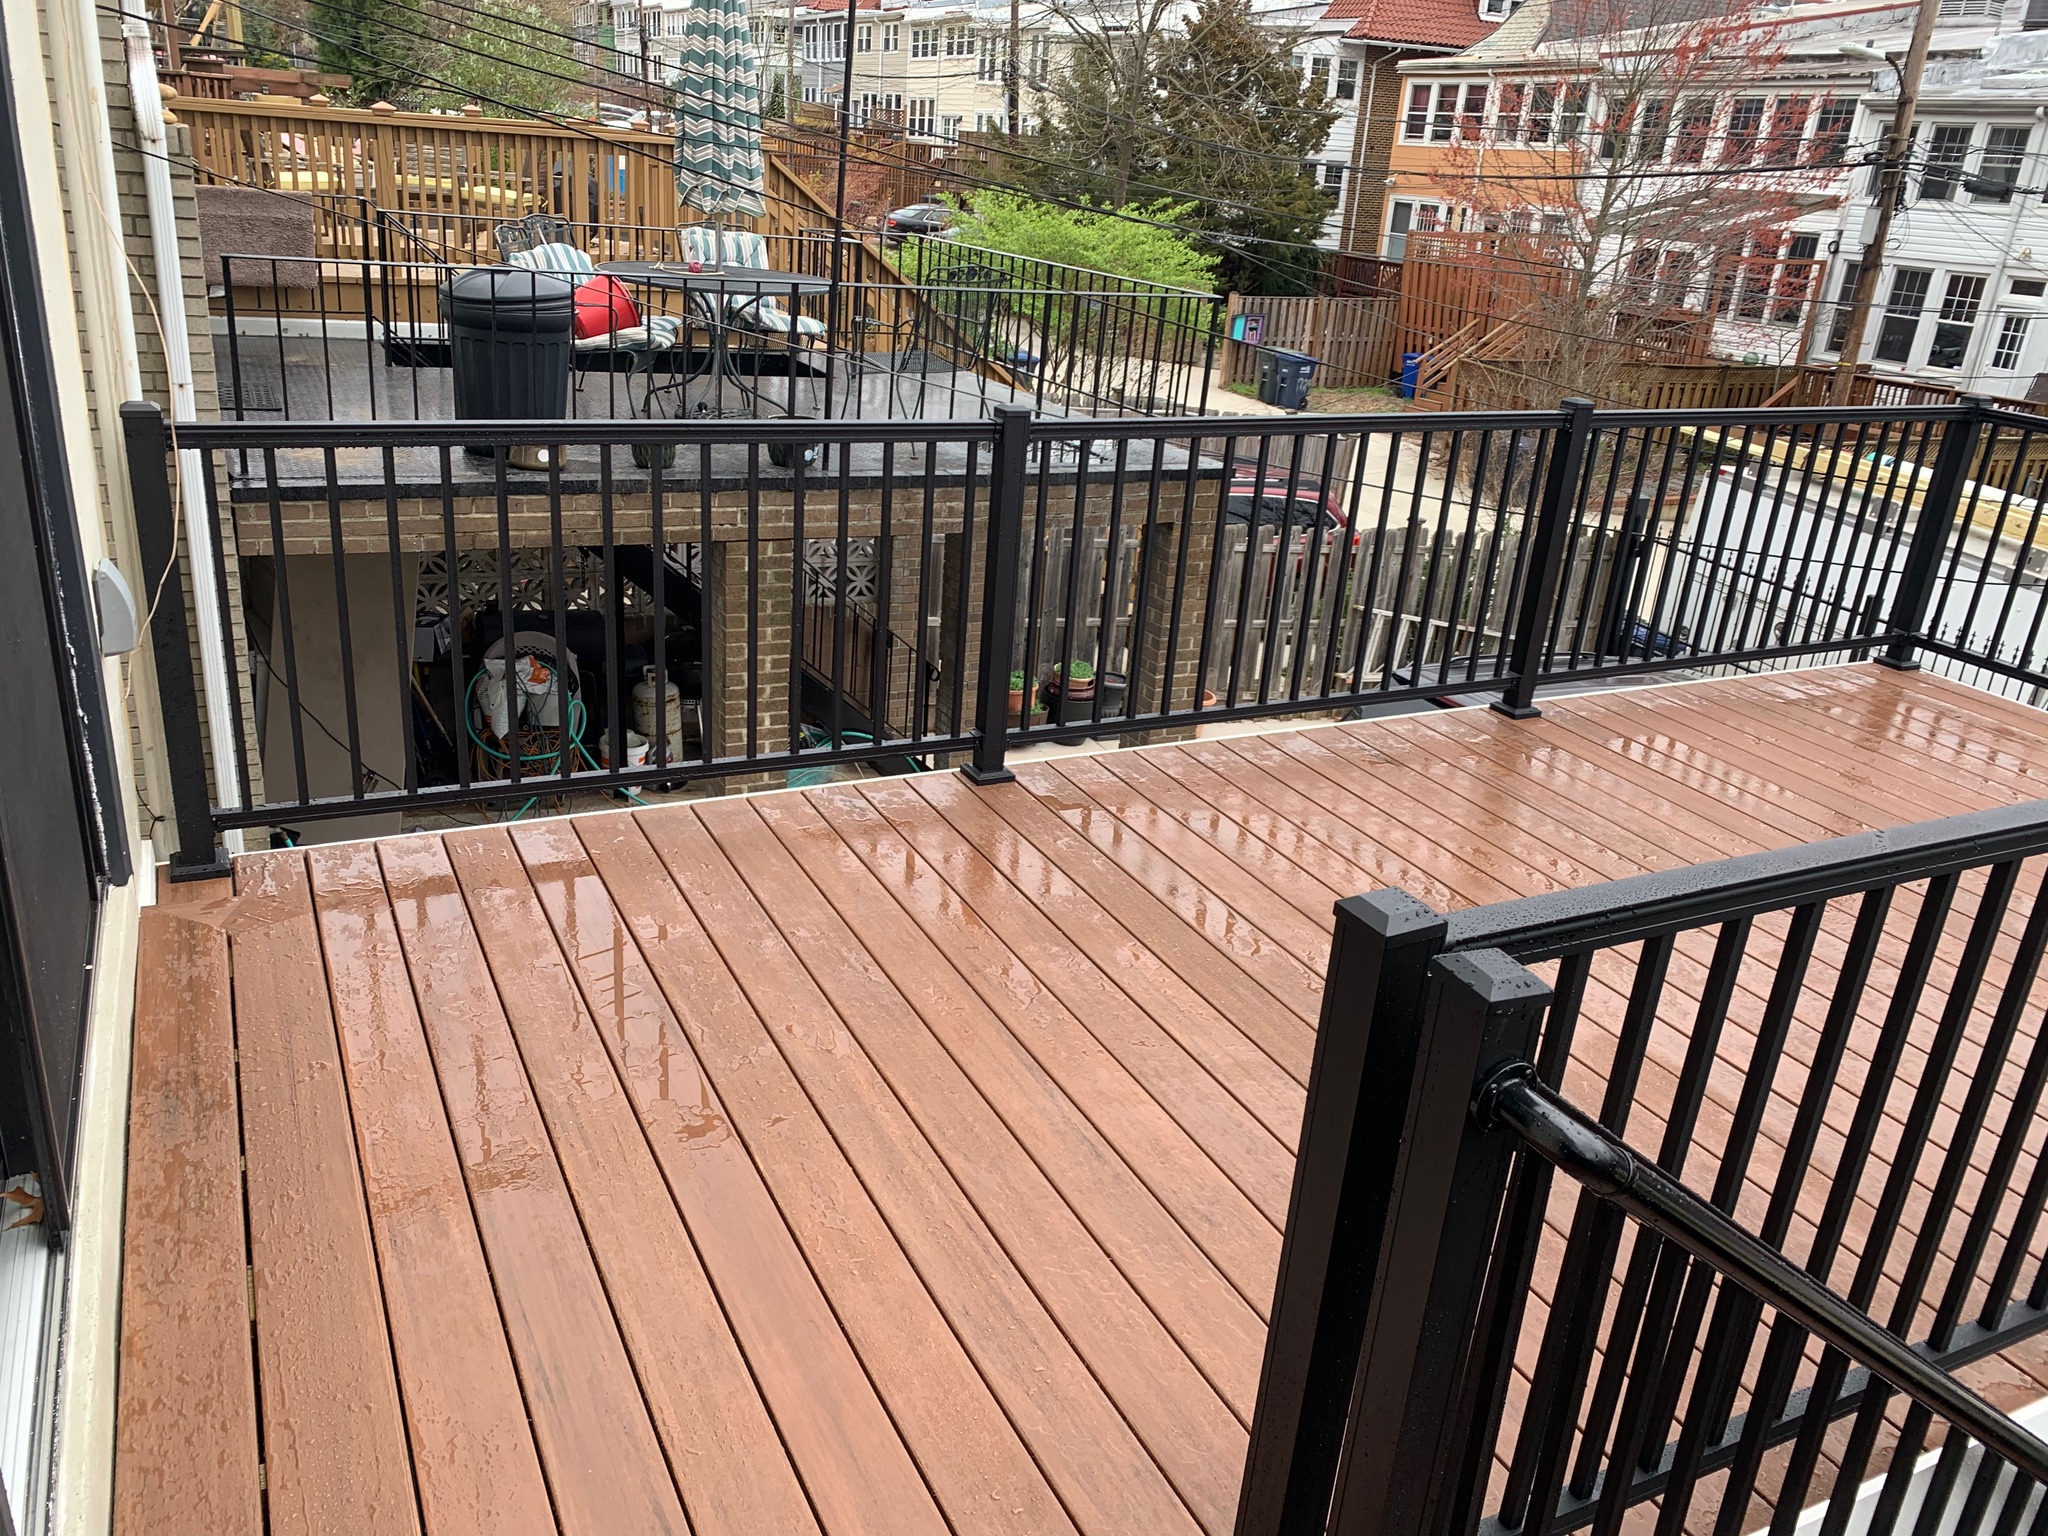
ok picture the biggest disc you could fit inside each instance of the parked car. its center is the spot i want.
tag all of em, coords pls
(918, 219)
(1284, 498)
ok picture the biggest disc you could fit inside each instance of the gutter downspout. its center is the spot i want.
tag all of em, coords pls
(147, 100)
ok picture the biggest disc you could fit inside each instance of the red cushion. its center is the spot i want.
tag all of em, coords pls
(603, 306)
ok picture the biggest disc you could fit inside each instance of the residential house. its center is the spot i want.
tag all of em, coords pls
(1376, 38)
(1717, 189)
(936, 70)
(1963, 297)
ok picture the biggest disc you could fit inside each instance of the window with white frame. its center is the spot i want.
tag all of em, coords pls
(864, 39)
(1738, 142)
(959, 42)
(1347, 79)
(1998, 168)
(2012, 341)
(989, 61)
(988, 122)
(1442, 110)
(1948, 146)
(924, 42)
(923, 114)
(892, 32)
(1333, 176)
(1829, 144)
(949, 126)
(1406, 216)
(1319, 74)
(1041, 58)
(1955, 320)
(1496, 10)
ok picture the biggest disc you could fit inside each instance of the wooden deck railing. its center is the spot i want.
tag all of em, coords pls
(470, 168)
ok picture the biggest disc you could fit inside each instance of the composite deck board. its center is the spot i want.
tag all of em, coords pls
(838, 1439)
(1211, 1209)
(186, 1454)
(334, 1443)
(801, 968)
(604, 1465)
(974, 1468)
(472, 1448)
(909, 1156)
(703, 1404)
(1014, 1101)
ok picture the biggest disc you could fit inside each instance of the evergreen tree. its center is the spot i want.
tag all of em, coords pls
(1244, 122)
(1214, 112)
(505, 61)
(356, 39)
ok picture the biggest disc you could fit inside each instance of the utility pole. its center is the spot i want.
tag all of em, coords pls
(1013, 71)
(1891, 186)
(789, 94)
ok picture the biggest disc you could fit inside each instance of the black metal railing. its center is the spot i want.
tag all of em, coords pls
(992, 583)
(1841, 1043)
(363, 338)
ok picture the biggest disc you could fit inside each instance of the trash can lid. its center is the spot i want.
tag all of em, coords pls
(1293, 356)
(509, 298)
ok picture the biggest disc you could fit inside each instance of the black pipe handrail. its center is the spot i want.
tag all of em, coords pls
(1515, 1098)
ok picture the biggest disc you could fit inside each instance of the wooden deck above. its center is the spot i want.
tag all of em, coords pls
(895, 1157)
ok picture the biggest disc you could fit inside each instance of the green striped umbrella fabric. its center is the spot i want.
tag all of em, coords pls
(718, 121)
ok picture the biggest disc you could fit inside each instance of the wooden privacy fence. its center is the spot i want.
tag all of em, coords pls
(1353, 339)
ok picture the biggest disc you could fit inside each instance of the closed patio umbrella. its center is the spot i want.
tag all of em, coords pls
(718, 119)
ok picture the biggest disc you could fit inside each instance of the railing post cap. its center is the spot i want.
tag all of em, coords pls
(1393, 916)
(141, 410)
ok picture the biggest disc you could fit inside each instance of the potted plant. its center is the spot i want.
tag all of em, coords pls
(1016, 698)
(1071, 682)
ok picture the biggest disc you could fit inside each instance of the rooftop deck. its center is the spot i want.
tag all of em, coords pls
(898, 1156)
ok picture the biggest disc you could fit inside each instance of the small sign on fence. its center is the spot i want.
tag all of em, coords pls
(1249, 329)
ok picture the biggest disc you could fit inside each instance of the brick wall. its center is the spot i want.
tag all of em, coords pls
(1379, 112)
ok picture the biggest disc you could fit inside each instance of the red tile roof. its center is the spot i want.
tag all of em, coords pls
(1427, 23)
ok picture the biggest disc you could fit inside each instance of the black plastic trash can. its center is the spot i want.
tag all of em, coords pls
(1284, 378)
(511, 339)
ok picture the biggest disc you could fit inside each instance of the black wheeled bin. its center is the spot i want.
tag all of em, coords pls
(1284, 378)
(511, 339)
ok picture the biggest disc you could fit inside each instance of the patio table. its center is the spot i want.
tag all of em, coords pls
(717, 287)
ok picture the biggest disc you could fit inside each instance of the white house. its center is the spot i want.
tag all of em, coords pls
(1963, 297)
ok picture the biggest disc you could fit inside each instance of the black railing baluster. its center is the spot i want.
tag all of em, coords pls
(1008, 472)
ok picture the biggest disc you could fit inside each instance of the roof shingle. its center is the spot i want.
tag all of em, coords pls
(1426, 23)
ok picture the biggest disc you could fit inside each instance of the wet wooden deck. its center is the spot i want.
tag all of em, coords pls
(896, 1157)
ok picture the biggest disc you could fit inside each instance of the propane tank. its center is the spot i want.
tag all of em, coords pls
(651, 687)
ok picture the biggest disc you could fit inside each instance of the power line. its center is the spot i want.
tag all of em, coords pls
(1229, 241)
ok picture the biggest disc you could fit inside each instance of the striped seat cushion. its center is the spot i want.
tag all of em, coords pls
(562, 260)
(744, 248)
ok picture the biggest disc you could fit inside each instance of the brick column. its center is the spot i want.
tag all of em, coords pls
(727, 699)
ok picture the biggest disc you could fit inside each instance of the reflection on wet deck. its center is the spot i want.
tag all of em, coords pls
(892, 1157)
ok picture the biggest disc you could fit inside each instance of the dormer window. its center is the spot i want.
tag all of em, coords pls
(1498, 10)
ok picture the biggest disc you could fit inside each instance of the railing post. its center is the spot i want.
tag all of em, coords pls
(1007, 475)
(1344, 1185)
(156, 534)
(1938, 511)
(1546, 558)
(1408, 1449)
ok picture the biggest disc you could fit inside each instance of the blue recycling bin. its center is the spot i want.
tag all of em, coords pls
(1411, 373)
(1284, 378)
